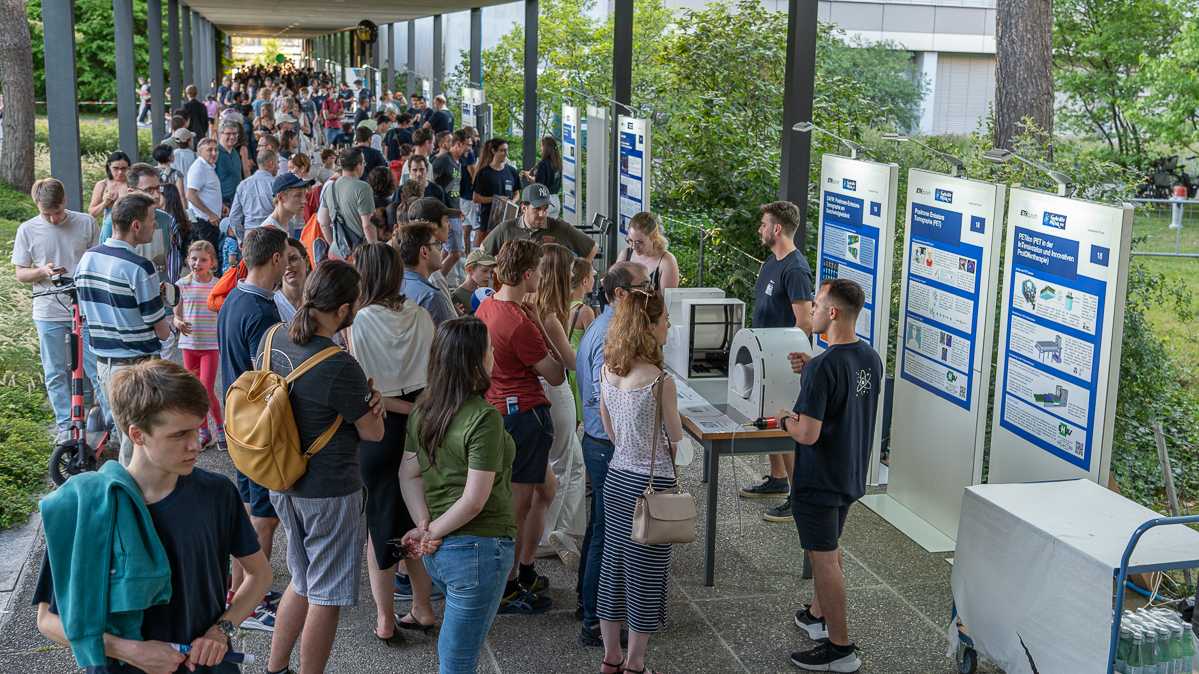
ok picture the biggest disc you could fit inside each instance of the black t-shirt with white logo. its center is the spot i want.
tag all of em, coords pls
(840, 388)
(781, 282)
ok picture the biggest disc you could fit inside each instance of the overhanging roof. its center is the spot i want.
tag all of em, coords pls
(308, 18)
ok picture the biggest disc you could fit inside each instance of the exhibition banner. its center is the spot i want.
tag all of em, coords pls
(599, 163)
(634, 171)
(1061, 332)
(570, 163)
(857, 235)
(946, 316)
(472, 100)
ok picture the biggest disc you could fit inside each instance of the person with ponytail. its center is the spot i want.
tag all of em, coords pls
(457, 482)
(322, 512)
(647, 247)
(638, 400)
(566, 518)
(391, 339)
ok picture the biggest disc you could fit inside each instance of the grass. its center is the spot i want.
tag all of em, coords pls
(1151, 232)
(25, 442)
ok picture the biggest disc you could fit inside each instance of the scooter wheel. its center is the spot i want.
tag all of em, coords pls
(65, 462)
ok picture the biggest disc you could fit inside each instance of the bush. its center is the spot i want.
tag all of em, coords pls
(96, 137)
(24, 451)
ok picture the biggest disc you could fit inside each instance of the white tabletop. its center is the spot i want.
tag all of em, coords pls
(1097, 522)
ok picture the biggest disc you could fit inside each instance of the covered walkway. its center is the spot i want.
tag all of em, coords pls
(899, 606)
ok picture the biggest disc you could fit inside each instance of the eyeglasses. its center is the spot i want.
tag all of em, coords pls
(642, 287)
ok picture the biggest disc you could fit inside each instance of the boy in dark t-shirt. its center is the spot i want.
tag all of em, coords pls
(833, 428)
(197, 517)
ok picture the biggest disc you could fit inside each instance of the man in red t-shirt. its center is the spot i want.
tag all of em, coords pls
(333, 110)
(521, 353)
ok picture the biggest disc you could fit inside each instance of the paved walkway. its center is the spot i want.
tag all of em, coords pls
(899, 604)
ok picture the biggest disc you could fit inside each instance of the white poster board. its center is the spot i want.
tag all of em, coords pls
(570, 164)
(472, 100)
(857, 234)
(943, 359)
(1060, 336)
(634, 173)
(599, 162)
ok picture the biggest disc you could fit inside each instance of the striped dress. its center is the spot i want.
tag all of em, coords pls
(194, 301)
(634, 578)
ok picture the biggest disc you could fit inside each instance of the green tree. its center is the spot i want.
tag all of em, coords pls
(1169, 110)
(1099, 49)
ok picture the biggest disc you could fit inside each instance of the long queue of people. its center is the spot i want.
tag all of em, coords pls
(441, 360)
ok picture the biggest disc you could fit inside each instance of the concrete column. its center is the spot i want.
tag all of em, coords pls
(476, 47)
(438, 56)
(62, 105)
(376, 47)
(622, 93)
(189, 75)
(157, 83)
(122, 11)
(411, 57)
(798, 90)
(173, 54)
(389, 72)
(529, 147)
(927, 62)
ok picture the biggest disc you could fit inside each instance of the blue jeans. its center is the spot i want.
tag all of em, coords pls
(472, 571)
(596, 456)
(56, 366)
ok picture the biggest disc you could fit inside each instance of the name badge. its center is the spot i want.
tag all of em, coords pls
(769, 289)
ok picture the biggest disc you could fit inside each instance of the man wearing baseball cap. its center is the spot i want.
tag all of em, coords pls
(184, 155)
(534, 224)
(479, 266)
(288, 192)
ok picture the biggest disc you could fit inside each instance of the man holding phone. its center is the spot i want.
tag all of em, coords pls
(49, 245)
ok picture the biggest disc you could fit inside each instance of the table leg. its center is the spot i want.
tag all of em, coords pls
(706, 453)
(713, 470)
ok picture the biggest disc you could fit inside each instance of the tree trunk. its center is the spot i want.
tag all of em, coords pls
(16, 83)
(1024, 68)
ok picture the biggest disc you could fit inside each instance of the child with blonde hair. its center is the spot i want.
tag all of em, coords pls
(196, 324)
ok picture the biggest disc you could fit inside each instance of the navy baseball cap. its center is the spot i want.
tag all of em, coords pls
(288, 181)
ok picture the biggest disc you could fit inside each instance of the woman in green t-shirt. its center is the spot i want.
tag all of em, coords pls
(457, 483)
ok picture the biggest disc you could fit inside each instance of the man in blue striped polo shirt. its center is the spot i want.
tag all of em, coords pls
(120, 295)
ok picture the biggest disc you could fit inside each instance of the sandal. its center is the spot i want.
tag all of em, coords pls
(394, 641)
(410, 622)
(643, 670)
(619, 666)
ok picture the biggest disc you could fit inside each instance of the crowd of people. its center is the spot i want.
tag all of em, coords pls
(452, 389)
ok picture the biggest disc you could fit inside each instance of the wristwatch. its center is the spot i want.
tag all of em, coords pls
(783, 424)
(228, 629)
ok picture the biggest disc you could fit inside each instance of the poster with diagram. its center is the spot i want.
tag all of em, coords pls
(633, 172)
(570, 164)
(856, 239)
(1062, 326)
(946, 332)
(857, 230)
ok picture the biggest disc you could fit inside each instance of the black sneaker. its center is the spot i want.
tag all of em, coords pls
(779, 513)
(770, 486)
(815, 628)
(540, 584)
(590, 637)
(828, 658)
(524, 602)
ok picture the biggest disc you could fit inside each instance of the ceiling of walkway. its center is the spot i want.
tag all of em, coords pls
(307, 18)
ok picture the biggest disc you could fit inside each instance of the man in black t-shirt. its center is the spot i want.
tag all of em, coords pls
(197, 517)
(782, 299)
(195, 113)
(833, 428)
(371, 158)
(442, 120)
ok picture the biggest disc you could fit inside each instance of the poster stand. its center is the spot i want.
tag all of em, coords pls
(570, 165)
(943, 361)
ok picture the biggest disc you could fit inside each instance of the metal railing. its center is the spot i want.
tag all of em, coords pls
(1176, 215)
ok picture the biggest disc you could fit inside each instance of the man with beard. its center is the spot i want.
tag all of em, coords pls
(782, 299)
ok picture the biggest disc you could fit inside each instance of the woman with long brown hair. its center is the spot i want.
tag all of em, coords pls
(457, 482)
(566, 517)
(635, 392)
(391, 339)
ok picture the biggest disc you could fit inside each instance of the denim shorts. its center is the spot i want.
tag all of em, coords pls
(256, 496)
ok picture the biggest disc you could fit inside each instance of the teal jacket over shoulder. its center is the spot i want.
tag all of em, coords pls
(106, 560)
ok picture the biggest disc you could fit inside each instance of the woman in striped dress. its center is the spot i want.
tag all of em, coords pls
(635, 578)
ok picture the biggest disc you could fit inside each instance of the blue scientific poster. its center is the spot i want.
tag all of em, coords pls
(570, 164)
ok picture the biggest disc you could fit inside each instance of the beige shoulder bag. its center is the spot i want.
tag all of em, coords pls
(663, 516)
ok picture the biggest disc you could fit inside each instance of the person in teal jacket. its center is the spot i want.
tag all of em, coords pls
(137, 559)
(99, 535)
